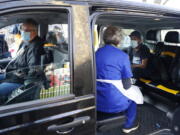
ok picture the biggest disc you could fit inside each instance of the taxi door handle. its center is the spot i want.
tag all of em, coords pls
(69, 127)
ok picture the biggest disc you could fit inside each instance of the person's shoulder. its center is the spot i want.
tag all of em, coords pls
(103, 48)
(121, 52)
(111, 50)
(144, 46)
(125, 55)
(38, 39)
(37, 42)
(99, 50)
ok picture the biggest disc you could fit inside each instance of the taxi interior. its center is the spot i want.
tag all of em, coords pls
(161, 90)
(161, 96)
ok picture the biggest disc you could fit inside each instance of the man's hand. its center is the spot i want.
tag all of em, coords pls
(19, 73)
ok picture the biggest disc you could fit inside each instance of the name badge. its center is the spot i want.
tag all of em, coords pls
(136, 60)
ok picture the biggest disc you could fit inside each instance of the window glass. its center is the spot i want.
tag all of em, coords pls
(126, 41)
(10, 35)
(34, 57)
(57, 72)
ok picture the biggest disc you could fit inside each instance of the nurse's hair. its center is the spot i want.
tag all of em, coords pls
(112, 35)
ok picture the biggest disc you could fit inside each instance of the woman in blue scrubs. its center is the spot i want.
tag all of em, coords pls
(112, 64)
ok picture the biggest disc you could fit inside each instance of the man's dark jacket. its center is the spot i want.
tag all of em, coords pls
(25, 66)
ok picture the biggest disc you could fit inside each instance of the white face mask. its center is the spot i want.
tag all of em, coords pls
(25, 36)
(134, 43)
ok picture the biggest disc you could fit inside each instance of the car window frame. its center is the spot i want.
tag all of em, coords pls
(13, 108)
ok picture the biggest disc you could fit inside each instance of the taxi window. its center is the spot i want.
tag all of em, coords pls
(126, 42)
(58, 71)
(34, 57)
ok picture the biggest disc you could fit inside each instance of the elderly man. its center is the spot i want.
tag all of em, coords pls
(139, 56)
(22, 66)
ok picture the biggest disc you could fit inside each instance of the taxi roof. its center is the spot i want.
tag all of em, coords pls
(120, 4)
(97, 5)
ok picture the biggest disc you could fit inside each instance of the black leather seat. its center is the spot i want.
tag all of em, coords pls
(170, 57)
(157, 69)
(155, 65)
(174, 69)
(151, 40)
(57, 53)
(158, 48)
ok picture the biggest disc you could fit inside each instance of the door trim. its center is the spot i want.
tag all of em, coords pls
(37, 105)
(47, 119)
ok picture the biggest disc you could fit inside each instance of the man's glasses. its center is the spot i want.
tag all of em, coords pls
(28, 30)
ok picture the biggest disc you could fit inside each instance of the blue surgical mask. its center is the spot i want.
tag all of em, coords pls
(25, 36)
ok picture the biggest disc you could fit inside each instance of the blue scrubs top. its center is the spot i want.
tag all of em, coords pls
(111, 64)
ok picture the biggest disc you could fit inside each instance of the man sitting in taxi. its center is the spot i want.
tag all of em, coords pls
(24, 65)
(139, 56)
(113, 66)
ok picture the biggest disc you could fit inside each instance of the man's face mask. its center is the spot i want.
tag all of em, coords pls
(25, 36)
(134, 43)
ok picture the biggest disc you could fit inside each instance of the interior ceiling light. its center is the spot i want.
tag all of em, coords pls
(157, 19)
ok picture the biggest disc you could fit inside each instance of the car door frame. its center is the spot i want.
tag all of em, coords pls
(81, 98)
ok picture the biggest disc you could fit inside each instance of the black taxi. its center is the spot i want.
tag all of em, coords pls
(64, 102)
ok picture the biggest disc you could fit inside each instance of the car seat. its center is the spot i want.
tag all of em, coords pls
(175, 69)
(169, 50)
(151, 40)
(159, 48)
(55, 52)
(157, 69)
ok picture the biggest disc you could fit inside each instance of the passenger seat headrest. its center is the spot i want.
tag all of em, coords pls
(51, 38)
(151, 36)
(160, 44)
(172, 37)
